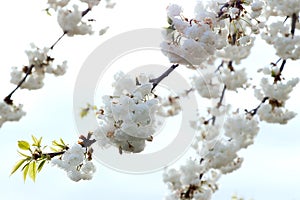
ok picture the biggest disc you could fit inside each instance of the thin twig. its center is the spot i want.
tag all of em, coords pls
(156, 81)
(278, 75)
(293, 24)
(53, 45)
(219, 104)
(254, 111)
(8, 99)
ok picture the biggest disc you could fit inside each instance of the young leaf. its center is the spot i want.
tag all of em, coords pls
(41, 165)
(48, 12)
(62, 142)
(55, 143)
(25, 171)
(53, 149)
(84, 112)
(40, 141)
(35, 140)
(23, 145)
(17, 166)
(22, 154)
(32, 170)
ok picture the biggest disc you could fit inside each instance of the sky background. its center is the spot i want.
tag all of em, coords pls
(271, 167)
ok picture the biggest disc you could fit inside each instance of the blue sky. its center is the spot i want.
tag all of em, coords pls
(270, 170)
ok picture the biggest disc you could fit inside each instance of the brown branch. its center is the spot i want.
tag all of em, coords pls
(278, 75)
(54, 154)
(219, 104)
(156, 81)
(8, 99)
(293, 24)
(53, 45)
(254, 111)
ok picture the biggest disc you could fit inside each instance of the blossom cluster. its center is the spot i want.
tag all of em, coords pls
(32, 75)
(218, 152)
(216, 31)
(127, 119)
(75, 162)
(273, 110)
(235, 25)
(39, 63)
(10, 113)
(286, 44)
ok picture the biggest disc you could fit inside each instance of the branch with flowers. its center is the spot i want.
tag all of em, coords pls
(219, 33)
(40, 62)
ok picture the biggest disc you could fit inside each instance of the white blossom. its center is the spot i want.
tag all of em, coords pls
(40, 63)
(241, 129)
(169, 107)
(129, 115)
(275, 114)
(286, 45)
(233, 79)
(237, 53)
(91, 3)
(110, 4)
(196, 41)
(58, 4)
(279, 91)
(10, 112)
(74, 162)
(284, 7)
(173, 10)
(71, 24)
(59, 70)
(103, 30)
(208, 85)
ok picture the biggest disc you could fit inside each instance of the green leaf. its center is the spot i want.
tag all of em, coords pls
(32, 170)
(62, 142)
(17, 166)
(47, 11)
(22, 154)
(55, 143)
(84, 112)
(40, 141)
(53, 149)
(35, 140)
(23, 145)
(41, 165)
(25, 171)
(273, 73)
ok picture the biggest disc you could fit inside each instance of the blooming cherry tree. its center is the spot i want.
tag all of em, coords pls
(212, 45)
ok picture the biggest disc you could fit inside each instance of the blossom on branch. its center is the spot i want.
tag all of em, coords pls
(10, 112)
(71, 22)
(128, 117)
(39, 64)
(75, 163)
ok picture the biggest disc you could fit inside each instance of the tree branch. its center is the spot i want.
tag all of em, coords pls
(156, 81)
(8, 99)
(219, 104)
(54, 154)
(278, 75)
(293, 24)
(254, 111)
(53, 45)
